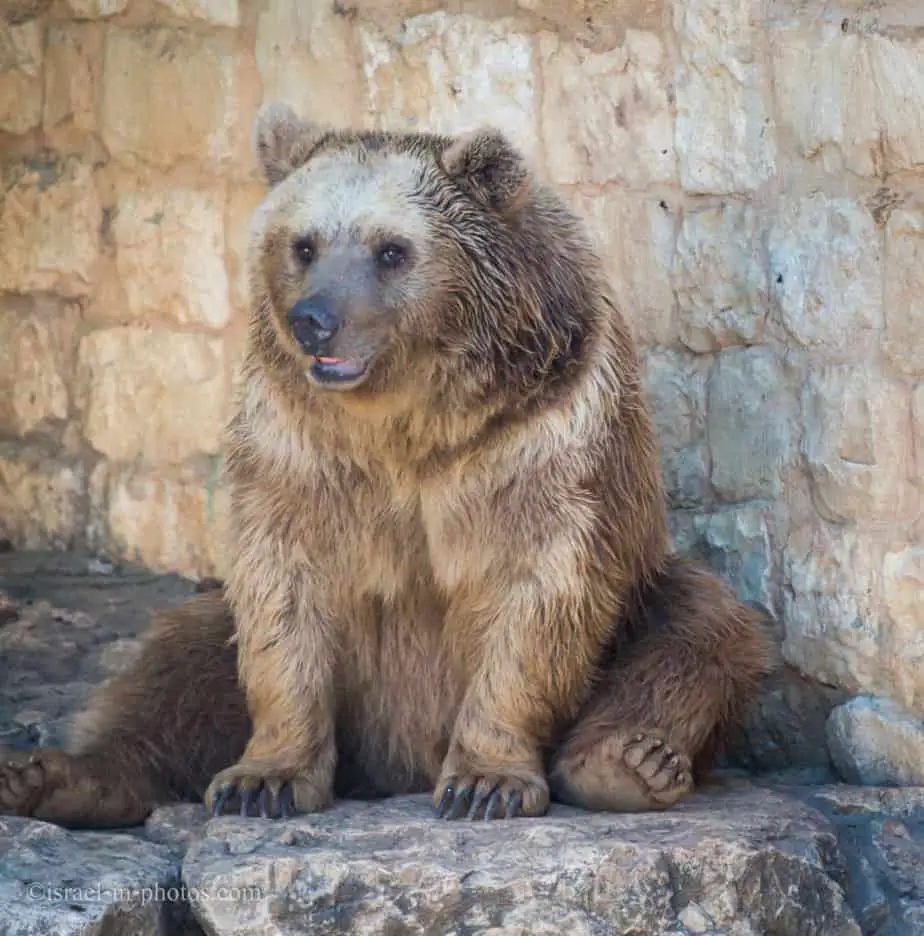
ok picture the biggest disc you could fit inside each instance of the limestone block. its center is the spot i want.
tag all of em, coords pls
(738, 542)
(606, 117)
(635, 236)
(71, 884)
(826, 95)
(169, 95)
(826, 272)
(308, 57)
(725, 137)
(73, 61)
(832, 580)
(676, 389)
(41, 496)
(904, 291)
(216, 12)
(875, 742)
(172, 522)
(36, 355)
(720, 277)
(452, 73)
(751, 423)
(903, 591)
(20, 76)
(170, 256)
(152, 394)
(242, 202)
(96, 9)
(898, 74)
(50, 217)
(858, 446)
(751, 861)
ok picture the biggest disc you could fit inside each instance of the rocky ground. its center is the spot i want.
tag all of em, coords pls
(746, 857)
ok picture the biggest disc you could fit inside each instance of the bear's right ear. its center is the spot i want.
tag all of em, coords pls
(282, 141)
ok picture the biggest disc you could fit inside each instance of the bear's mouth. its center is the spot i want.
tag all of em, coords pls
(337, 371)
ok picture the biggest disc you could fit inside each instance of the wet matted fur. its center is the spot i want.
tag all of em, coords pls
(450, 569)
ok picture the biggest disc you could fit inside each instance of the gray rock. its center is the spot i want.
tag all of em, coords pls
(57, 882)
(740, 860)
(875, 742)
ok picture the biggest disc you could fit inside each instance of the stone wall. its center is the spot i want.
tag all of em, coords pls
(753, 171)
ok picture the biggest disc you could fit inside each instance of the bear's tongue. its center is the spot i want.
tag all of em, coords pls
(334, 369)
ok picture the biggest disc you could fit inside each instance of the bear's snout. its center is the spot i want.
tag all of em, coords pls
(313, 324)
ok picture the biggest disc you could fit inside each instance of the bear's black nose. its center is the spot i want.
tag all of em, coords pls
(313, 324)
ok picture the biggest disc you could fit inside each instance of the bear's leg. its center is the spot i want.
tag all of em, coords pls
(694, 660)
(154, 734)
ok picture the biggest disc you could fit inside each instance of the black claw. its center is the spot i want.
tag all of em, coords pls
(494, 802)
(285, 802)
(514, 804)
(477, 801)
(263, 802)
(247, 800)
(445, 800)
(461, 801)
(221, 798)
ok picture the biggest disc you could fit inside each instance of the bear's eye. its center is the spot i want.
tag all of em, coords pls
(304, 249)
(390, 256)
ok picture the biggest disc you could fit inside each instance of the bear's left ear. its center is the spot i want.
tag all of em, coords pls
(282, 141)
(489, 166)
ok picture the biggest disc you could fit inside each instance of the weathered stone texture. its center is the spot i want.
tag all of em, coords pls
(152, 394)
(752, 420)
(170, 256)
(858, 447)
(72, 81)
(636, 238)
(169, 96)
(904, 292)
(50, 217)
(874, 742)
(445, 72)
(606, 117)
(826, 272)
(720, 276)
(20, 76)
(173, 520)
(725, 132)
(36, 356)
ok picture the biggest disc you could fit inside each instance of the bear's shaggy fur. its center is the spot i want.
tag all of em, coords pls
(450, 565)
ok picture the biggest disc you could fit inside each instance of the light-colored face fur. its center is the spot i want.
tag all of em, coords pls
(342, 234)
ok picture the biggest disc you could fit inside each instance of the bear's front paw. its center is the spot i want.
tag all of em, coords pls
(499, 794)
(260, 789)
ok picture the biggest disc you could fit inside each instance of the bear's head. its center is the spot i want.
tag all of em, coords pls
(381, 258)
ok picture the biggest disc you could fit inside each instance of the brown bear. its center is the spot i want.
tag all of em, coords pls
(450, 569)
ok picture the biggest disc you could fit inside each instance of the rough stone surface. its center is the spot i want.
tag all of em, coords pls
(168, 96)
(53, 881)
(443, 71)
(219, 12)
(742, 857)
(177, 518)
(858, 447)
(50, 218)
(720, 278)
(170, 256)
(826, 272)
(904, 292)
(72, 82)
(724, 133)
(36, 360)
(874, 742)
(751, 422)
(20, 76)
(136, 387)
(607, 116)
